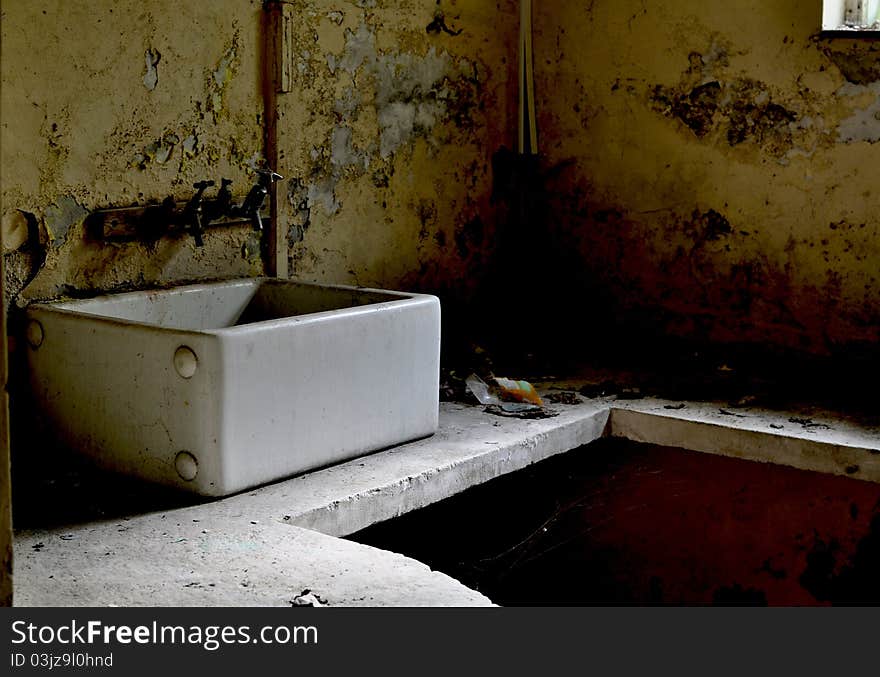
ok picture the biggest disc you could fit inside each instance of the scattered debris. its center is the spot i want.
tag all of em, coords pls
(611, 389)
(515, 410)
(565, 397)
(724, 412)
(308, 598)
(809, 423)
(37, 547)
(675, 407)
(776, 426)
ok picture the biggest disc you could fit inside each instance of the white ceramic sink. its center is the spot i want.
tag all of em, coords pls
(218, 387)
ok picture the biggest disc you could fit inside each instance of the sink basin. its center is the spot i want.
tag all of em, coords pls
(218, 387)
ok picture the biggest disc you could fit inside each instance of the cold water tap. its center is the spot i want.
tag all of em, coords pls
(252, 204)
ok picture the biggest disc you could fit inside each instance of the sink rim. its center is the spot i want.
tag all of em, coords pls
(69, 307)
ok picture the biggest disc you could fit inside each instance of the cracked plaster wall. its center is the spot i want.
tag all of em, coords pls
(117, 103)
(387, 140)
(715, 168)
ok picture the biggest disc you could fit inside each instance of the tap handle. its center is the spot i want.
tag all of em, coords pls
(195, 202)
(200, 187)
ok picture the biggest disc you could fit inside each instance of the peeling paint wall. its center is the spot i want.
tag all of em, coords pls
(116, 103)
(715, 168)
(709, 167)
(387, 140)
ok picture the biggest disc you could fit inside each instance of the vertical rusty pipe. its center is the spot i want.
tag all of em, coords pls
(276, 254)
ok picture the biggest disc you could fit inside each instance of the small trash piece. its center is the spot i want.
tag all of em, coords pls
(308, 598)
(564, 397)
(503, 390)
(480, 390)
(511, 390)
(508, 397)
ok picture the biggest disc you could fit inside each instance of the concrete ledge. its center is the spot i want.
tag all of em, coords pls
(189, 558)
(827, 451)
(252, 549)
(470, 448)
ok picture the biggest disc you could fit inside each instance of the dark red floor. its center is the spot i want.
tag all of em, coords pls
(623, 523)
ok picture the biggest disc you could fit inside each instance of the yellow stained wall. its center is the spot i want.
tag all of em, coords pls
(386, 138)
(87, 123)
(713, 167)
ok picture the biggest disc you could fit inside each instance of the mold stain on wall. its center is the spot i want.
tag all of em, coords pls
(717, 177)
